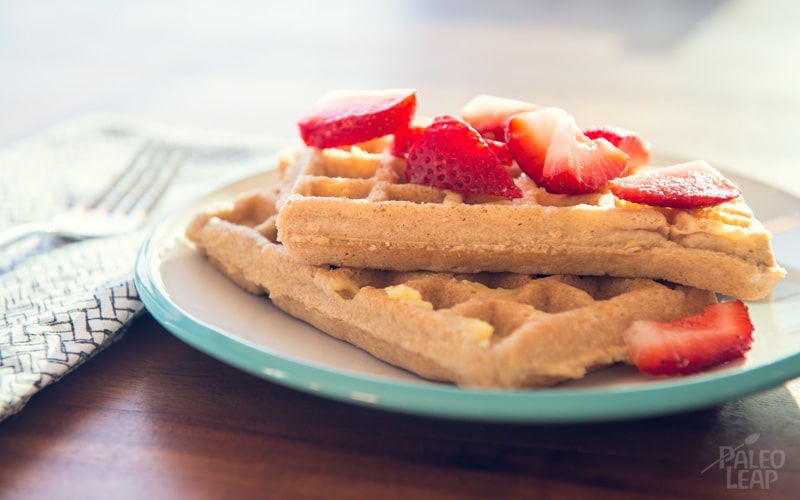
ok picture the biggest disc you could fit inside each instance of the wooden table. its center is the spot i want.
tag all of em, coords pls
(153, 418)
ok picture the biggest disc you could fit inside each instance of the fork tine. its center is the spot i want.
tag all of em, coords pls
(142, 182)
(110, 197)
(164, 171)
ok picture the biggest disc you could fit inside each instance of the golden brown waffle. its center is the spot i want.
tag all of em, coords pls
(351, 208)
(498, 330)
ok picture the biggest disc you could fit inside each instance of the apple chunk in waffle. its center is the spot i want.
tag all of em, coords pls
(492, 330)
(549, 199)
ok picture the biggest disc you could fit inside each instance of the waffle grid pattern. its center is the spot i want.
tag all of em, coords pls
(351, 207)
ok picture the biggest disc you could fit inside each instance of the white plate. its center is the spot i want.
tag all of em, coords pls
(204, 309)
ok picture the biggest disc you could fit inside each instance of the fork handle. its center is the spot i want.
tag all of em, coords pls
(16, 233)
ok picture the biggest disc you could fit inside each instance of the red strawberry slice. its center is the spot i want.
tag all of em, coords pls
(722, 332)
(528, 136)
(693, 184)
(634, 146)
(489, 114)
(500, 149)
(404, 138)
(576, 164)
(450, 154)
(344, 118)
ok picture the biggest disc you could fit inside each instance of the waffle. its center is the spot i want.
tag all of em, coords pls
(349, 207)
(491, 330)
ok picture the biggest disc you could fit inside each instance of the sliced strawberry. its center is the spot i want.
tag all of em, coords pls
(500, 149)
(722, 332)
(693, 184)
(528, 136)
(575, 164)
(450, 154)
(343, 118)
(634, 146)
(404, 138)
(489, 114)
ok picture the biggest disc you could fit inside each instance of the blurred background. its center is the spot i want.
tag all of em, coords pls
(717, 79)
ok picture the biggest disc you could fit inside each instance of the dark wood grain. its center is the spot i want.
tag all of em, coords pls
(154, 418)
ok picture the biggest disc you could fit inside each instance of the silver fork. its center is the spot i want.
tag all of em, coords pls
(121, 207)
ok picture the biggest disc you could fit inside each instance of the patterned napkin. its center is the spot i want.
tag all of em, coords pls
(62, 301)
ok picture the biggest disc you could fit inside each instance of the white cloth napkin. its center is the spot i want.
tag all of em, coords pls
(63, 302)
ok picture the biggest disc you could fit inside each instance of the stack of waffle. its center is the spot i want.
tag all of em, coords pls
(481, 293)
